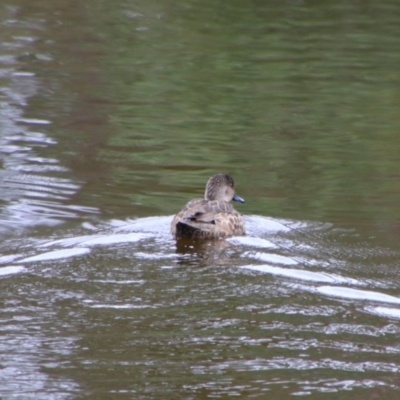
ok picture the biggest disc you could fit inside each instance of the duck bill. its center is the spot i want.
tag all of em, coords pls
(238, 199)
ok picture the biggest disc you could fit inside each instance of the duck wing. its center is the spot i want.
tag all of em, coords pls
(201, 210)
(201, 218)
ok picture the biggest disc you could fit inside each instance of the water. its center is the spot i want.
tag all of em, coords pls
(117, 310)
(115, 114)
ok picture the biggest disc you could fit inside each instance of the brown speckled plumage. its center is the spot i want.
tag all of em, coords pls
(213, 216)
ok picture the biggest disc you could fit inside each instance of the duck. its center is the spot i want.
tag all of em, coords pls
(212, 217)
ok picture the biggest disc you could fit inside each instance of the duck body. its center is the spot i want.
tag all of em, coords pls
(212, 217)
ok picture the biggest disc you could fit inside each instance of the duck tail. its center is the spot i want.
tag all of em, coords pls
(187, 230)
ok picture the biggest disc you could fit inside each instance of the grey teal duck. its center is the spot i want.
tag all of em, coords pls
(212, 217)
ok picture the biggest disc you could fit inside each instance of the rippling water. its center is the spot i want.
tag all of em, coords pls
(35, 186)
(120, 308)
(114, 114)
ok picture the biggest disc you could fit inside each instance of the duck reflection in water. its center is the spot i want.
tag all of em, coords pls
(212, 217)
(200, 252)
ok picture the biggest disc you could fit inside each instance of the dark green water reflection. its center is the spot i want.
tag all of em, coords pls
(299, 101)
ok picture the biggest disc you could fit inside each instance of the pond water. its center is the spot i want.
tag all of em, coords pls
(114, 114)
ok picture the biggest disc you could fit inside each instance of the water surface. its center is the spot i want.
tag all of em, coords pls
(114, 114)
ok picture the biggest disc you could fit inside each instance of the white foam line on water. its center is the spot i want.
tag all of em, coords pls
(23, 74)
(384, 311)
(115, 282)
(301, 274)
(112, 239)
(56, 255)
(252, 242)
(357, 294)
(155, 256)
(8, 259)
(264, 224)
(120, 306)
(272, 258)
(35, 121)
(11, 270)
(99, 240)
(150, 224)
